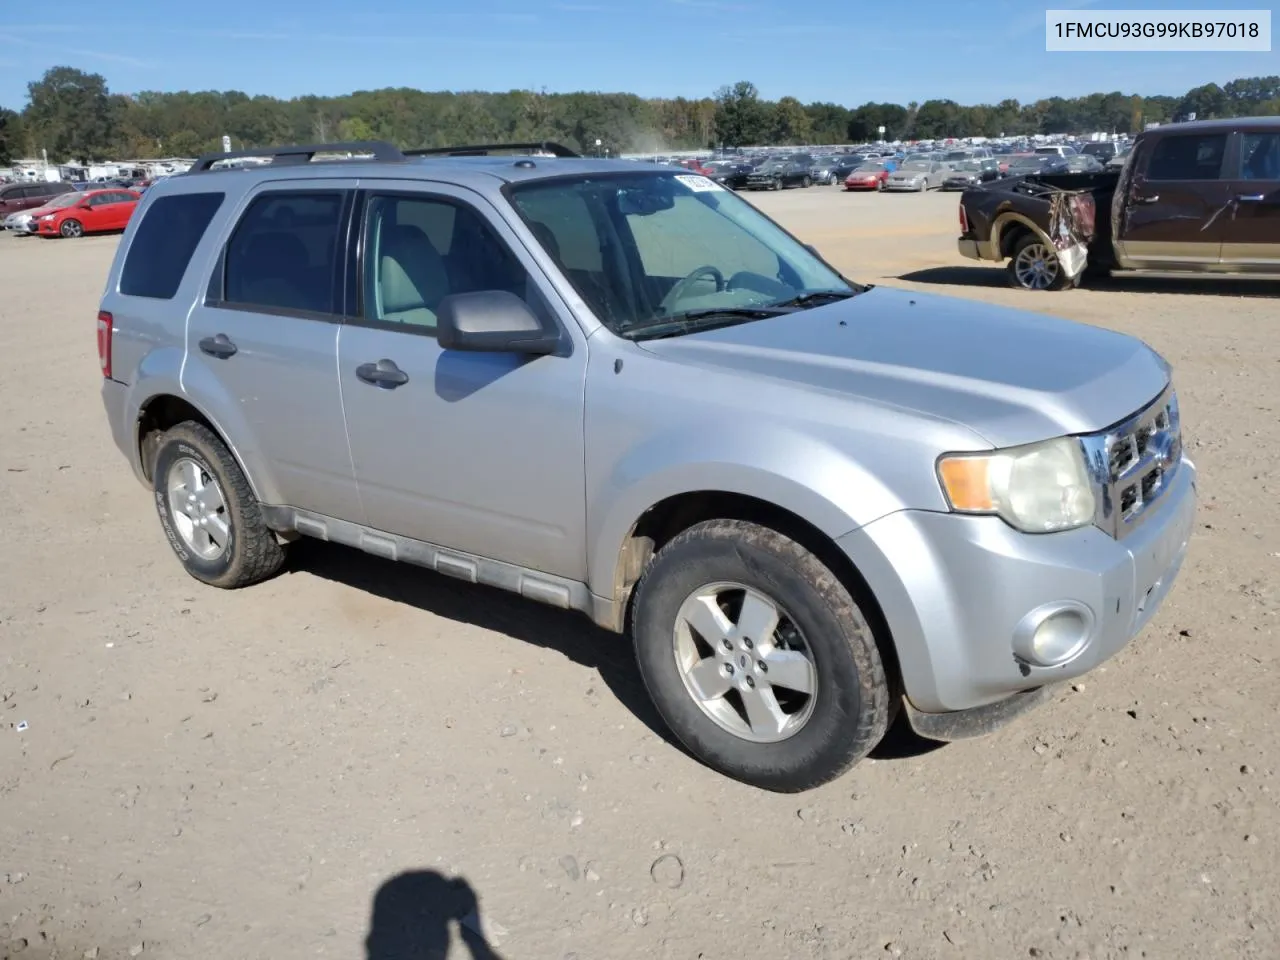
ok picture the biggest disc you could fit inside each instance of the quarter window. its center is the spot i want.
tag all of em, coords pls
(164, 242)
(1188, 157)
(284, 252)
(420, 250)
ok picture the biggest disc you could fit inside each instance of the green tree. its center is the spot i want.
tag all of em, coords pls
(791, 123)
(866, 121)
(11, 136)
(70, 114)
(741, 118)
(937, 119)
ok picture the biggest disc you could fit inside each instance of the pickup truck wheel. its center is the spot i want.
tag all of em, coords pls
(1035, 266)
(758, 658)
(207, 509)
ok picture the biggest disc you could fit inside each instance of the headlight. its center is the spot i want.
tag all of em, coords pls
(48, 216)
(1037, 488)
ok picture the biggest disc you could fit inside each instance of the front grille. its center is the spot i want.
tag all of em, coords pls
(1133, 463)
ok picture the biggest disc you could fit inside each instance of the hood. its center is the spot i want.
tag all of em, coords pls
(1011, 376)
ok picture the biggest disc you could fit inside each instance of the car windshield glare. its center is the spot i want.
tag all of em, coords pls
(916, 165)
(65, 200)
(640, 248)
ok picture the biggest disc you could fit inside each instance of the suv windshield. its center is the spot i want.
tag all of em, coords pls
(644, 249)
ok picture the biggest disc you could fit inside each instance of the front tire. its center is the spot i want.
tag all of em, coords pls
(758, 658)
(71, 229)
(806, 183)
(208, 512)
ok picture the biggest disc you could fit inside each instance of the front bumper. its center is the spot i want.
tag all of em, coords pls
(953, 590)
(903, 184)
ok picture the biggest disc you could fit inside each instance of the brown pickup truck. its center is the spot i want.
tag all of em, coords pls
(1199, 197)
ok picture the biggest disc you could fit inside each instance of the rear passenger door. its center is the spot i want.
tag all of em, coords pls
(262, 345)
(1251, 234)
(1173, 209)
(478, 452)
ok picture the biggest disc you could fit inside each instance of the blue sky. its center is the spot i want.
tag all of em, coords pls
(968, 50)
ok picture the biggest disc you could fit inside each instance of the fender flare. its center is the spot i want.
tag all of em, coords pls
(246, 454)
(1010, 217)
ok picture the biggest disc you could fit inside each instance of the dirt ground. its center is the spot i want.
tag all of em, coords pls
(358, 750)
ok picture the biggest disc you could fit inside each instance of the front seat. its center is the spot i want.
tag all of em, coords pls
(412, 279)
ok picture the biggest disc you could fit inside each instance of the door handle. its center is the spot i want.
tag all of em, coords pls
(219, 346)
(1148, 198)
(383, 374)
(1251, 197)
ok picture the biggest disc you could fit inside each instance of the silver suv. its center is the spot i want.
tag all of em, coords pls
(620, 388)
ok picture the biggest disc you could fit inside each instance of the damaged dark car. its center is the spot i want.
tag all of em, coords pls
(1198, 198)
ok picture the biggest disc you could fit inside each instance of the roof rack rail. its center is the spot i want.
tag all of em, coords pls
(484, 149)
(380, 149)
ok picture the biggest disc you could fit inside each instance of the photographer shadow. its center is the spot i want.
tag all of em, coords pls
(413, 918)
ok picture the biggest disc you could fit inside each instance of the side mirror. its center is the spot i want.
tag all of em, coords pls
(491, 321)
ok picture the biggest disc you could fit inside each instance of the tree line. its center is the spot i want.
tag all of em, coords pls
(72, 114)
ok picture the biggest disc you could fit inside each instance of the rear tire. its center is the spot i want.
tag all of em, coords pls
(208, 512)
(806, 183)
(816, 636)
(1035, 266)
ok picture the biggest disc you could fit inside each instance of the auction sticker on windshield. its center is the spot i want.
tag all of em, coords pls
(698, 184)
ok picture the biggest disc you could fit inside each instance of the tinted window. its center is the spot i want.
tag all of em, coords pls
(419, 251)
(284, 252)
(1260, 156)
(164, 243)
(1187, 157)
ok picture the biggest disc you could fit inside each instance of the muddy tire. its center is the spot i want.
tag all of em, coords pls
(758, 658)
(208, 511)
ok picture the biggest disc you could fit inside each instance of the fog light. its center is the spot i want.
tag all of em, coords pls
(1054, 634)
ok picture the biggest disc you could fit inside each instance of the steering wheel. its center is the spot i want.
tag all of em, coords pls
(676, 293)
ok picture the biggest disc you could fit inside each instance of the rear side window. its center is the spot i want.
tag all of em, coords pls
(1188, 157)
(164, 243)
(1260, 156)
(284, 252)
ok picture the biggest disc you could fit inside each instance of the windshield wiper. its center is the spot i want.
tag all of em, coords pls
(818, 296)
(691, 320)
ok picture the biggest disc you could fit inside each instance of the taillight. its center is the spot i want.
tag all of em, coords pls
(964, 221)
(105, 323)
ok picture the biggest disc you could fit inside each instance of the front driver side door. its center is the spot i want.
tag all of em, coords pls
(1251, 234)
(1172, 208)
(476, 452)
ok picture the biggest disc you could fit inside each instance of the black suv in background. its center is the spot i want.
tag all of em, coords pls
(780, 172)
(730, 173)
(1101, 150)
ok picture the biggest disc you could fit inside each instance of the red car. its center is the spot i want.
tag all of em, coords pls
(96, 211)
(867, 176)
